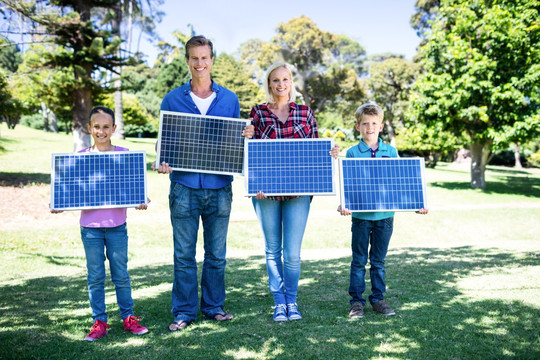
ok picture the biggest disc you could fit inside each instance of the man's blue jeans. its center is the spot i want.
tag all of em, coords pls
(378, 234)
(112, 243)
(283, 224)
(213, 207)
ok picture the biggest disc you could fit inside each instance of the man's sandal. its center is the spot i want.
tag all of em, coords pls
(178, 325)
(223, 316)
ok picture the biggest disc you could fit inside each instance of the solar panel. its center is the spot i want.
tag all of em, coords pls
(197, 143)
(98, 180)
(289, 167)
(382, 184)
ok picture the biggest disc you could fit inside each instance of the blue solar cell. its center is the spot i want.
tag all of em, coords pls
(197, 143)
(97, 180)
(382, 184)
(289, 167)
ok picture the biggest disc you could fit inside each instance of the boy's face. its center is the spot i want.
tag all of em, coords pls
(101, 128)
(369, 127)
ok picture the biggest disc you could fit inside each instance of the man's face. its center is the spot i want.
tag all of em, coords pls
(200, 61)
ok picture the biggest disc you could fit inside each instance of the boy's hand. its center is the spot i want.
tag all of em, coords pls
(335, 151)
(248, 131)
(260, 195)
(53, 211)
(164, 168)
(422, 211)
(343, 212)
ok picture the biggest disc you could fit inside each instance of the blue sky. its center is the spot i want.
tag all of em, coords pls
(378, 25)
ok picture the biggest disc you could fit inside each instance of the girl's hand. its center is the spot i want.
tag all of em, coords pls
(164, 168)
(260, 196)
(422, 211)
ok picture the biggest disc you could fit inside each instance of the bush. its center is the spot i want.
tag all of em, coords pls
(534, 159)
(147, 130)
(506, 158)
(34, 121)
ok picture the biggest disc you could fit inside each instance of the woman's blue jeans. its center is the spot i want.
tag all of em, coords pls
(111, 243)
(213, 207)
(283, 224)
(378, 234)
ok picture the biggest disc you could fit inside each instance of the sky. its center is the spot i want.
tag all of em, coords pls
(378, 25)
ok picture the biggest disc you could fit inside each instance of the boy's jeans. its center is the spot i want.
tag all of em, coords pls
(112, 243)
(378, 234)
(283, 224)
(213, 207)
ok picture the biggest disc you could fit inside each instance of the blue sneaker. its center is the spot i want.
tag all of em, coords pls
(280, 312)
(292, 311)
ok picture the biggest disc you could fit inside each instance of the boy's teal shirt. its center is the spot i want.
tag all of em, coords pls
(363, 151)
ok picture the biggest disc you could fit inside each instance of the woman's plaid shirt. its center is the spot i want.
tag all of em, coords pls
(300, 124)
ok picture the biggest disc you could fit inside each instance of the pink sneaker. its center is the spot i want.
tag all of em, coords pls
(131, 323)
(98, 330)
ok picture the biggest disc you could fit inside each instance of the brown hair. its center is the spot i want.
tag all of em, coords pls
(199, 40)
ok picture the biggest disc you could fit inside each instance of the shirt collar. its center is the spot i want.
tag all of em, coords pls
(364, 148)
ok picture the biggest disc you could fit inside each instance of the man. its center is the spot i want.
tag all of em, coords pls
(197, 195)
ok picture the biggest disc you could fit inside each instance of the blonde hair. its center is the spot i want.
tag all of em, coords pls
(269, 95)
(369, 108)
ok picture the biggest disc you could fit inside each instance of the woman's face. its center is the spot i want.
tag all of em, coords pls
(280, 83)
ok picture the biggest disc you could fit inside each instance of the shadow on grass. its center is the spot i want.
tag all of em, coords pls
(47, 317)
(509, 185)
(22, 179)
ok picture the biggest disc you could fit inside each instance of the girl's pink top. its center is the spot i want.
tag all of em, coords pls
(104, 218)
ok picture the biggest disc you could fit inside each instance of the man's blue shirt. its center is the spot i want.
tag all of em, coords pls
(363, 151)
(225, 104)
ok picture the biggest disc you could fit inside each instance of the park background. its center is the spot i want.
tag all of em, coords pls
(465, 279)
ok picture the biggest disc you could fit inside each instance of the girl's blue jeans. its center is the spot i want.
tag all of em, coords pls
(283, 224)
(366, 233)
(110, 243)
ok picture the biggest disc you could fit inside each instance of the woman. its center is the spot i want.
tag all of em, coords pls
(283, 218)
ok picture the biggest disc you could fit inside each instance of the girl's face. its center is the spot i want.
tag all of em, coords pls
(101, 128)
(369, 128)
(280, 83)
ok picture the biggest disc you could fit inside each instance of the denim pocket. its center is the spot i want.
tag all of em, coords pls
(179, 199)
(225, 200)
(389, 222)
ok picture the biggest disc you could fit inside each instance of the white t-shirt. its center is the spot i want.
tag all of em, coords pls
(203, 104)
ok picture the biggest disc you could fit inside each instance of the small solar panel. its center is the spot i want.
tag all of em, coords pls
(289, 167)
(382, 184)
(197, 143)
(98, 180)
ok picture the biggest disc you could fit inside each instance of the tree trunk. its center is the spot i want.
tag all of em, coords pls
(517, 156)
(479, 158)
(118, 104)
(82, 104)
(45, 115)
(391, 133)
(53, 122)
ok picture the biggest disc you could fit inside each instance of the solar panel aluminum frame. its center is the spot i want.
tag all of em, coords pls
(381, 186)
(299, 193)
(54, 178)
(206, 144)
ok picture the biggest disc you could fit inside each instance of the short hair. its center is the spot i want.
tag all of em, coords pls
(102, 110)
(369, 108)
(199, 40)
(269, 95)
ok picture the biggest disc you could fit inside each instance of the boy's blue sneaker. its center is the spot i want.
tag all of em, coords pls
(280, 312)
(292, 311)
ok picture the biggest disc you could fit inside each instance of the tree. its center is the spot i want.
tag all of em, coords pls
(227, 71)
(426, 12)
(10, 55)
(482, 70)
(390, 84)
(326, 64)
(86, 47)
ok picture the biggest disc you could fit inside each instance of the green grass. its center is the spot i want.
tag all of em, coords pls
(464, 280)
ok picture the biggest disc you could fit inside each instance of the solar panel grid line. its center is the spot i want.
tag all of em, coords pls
(382, 184)
(289, 167)
(197, 143)
(98, 180)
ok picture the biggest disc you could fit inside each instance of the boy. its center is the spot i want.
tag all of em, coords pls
(367, 228)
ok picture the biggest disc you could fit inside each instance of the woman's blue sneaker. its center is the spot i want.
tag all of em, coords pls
(280, 312)
(292, 311)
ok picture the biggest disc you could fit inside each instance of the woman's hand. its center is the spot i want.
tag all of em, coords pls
(344, 212)
(260, 196)
(335, 151)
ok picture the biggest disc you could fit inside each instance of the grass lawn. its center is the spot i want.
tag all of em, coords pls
(464, 280)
